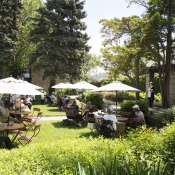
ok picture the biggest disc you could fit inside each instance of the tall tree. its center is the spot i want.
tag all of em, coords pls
(60, 44)
(158, 39)
(24, 46)
(10, 11)
(123, 59)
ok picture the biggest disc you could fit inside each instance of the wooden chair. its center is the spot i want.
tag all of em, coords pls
(125, 114)
(15, 133)
(30, 122)
(120, 129)
(26, 139)
(34, 113)
(90, 119)
(134, 122)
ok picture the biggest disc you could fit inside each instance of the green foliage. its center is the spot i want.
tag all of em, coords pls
(10, 12)
(95, 99)
(169, 145)
(123, 168)
(58, 149)
(166, 115)
(61, 42)
(126, 105)
(120, 96)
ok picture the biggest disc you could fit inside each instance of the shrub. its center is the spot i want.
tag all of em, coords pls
(147, 147)
(166, 115)
(126, 105)
(124, 168)
(95, 99)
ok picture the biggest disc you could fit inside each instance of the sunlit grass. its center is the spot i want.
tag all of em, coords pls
(49, 110)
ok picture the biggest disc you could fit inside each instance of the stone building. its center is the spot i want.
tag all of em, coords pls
(35, 77)
(151, 69)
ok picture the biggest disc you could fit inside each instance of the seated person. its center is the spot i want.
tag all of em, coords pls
(7, 142)
(91, 124)
(68, 103)
(88, 105)
(78, 116)
(4, 98)
(112, 117)
(136, 113)
(28, 101)
(4, 114)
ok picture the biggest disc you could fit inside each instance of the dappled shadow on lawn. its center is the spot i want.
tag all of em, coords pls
(53, 110)
(59, 125)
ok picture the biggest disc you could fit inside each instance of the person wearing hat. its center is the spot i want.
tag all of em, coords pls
(151, 94)
(136, 113)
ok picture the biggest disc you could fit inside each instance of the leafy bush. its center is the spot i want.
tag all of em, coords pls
(123, 168)
(166, 115)
(95, 99)
(126, 105)
(147, 147)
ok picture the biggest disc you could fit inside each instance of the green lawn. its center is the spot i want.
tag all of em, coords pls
(49, 110)
(53, 131)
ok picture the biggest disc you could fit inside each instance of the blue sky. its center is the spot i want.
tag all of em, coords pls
(105, 9)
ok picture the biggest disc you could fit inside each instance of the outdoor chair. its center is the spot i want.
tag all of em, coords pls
(106, 129)
(91, 126)
(125, 114)
(34, 113)
(135, 122)
(15, 133)
(120, 129)
(26, 139)
(30, 122)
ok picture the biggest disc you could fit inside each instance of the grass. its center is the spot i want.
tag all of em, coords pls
(52, 131)
(49, 110)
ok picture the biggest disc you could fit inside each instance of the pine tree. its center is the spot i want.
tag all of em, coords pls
(9, 28)
(60, 43)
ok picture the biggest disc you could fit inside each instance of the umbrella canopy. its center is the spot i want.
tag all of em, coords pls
(117, 86)
(63, 86)
(84, 85)
(30, 84)
(13, 86)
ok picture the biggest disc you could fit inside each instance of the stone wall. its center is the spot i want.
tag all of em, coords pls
(36, 78)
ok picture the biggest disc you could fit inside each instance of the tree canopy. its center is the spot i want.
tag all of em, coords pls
(123, 59)
(10, 12)
(61, 45)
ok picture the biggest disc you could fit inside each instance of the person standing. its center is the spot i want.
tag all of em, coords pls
(151, 94)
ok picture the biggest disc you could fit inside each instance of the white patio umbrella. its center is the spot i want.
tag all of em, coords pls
(117, 86)
(30, 84)
(83, 85)
(13, 86)
(63, 86)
